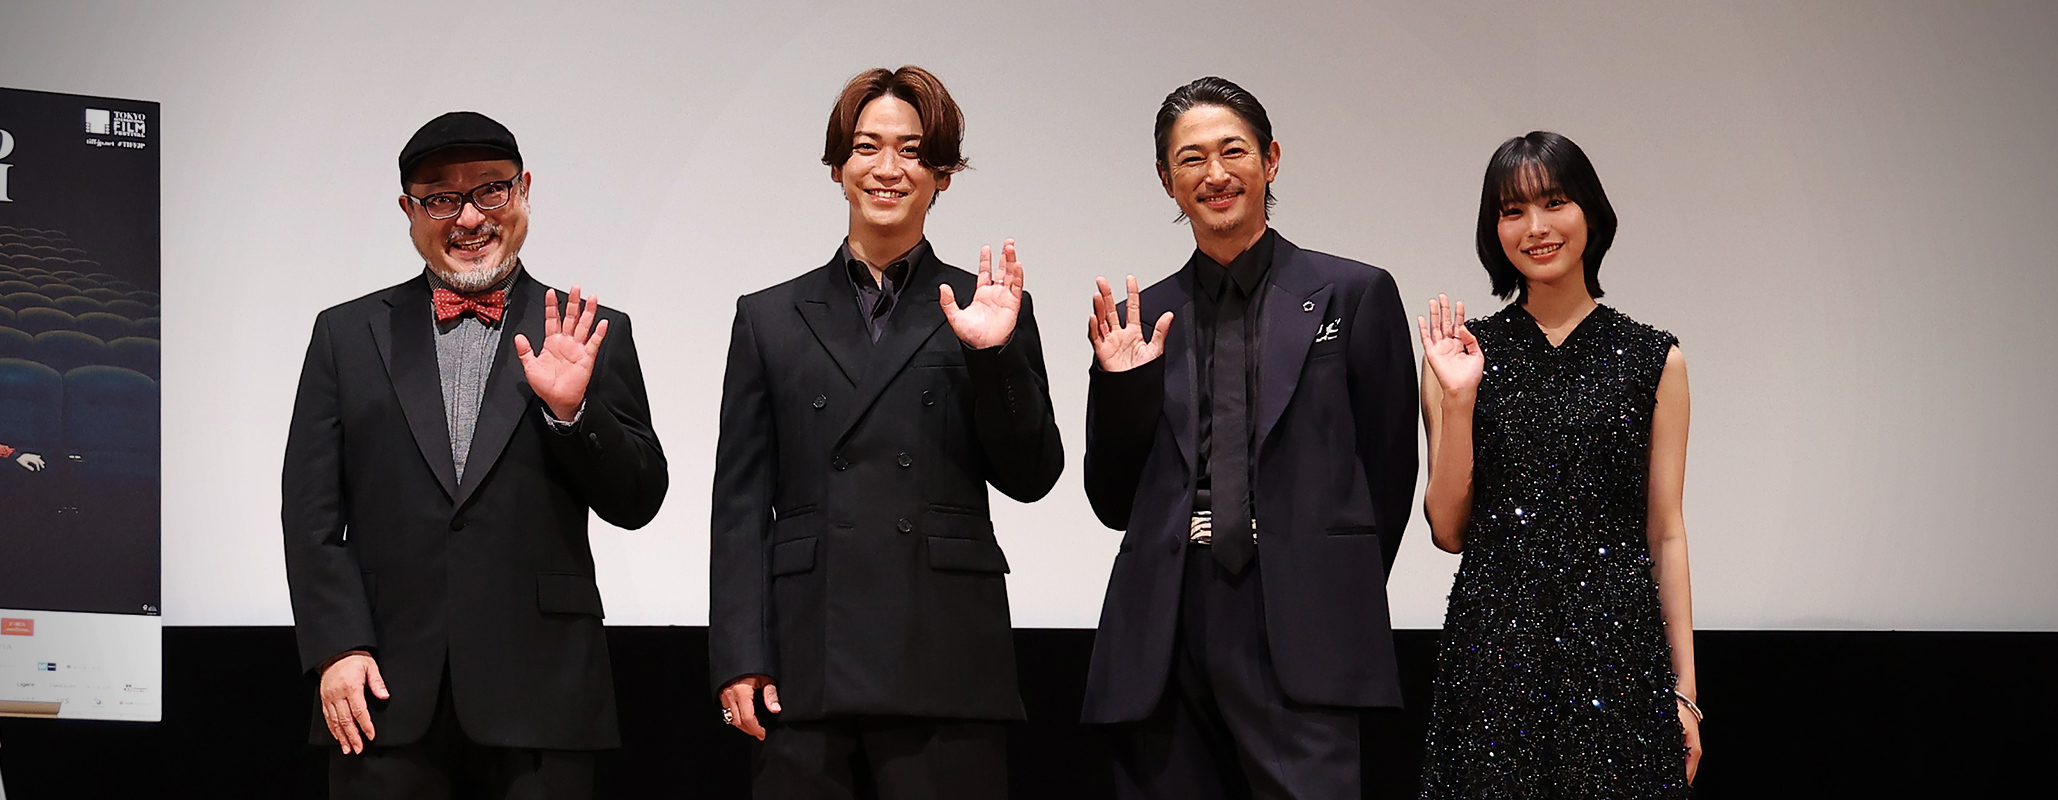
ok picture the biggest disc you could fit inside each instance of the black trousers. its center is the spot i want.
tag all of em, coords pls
(1224, 728)
(446, 763)
(907, 758)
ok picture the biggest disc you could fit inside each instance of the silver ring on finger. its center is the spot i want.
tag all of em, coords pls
(728, 716)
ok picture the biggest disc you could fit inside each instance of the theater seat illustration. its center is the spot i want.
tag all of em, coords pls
(130, 308)
(21, 300)
(15, 343)
(76, 304)
(31, 420)
(147, 326)
(108, 327)
(38, 320)
(112, 437)
(136, 353)
(65, 351)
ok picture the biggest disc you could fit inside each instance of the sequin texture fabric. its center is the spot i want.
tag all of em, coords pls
(1554, 679)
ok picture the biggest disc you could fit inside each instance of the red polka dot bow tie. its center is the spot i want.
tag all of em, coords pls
(486, 305)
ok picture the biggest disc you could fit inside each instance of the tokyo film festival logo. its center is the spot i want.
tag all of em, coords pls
(102, 122)
(6, 149)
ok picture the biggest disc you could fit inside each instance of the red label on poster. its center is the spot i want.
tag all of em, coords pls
(10, 626)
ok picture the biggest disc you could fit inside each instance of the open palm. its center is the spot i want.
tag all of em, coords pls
(1449, 347)
(989, 320)
(1120, 346)
(559, 371)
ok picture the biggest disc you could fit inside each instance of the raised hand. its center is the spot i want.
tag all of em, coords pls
(990, 318)
(558, 371)
(1449, 347)
(1117, 345)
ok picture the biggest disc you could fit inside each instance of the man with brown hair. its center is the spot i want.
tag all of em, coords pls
(859, 608)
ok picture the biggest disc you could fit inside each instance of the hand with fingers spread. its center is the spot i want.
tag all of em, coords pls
(1449, 347)
(559, 370)
(739, 703)
(989, 320)
(1117, 345)
(343, 705)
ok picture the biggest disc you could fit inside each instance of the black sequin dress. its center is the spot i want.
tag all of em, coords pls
(1554, 679)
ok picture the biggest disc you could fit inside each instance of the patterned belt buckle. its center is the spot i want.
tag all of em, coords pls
(1200, 529)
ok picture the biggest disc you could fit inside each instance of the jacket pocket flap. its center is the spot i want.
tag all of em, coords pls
(952, 356)
(971, 555)
(565, 593)
(794, 556)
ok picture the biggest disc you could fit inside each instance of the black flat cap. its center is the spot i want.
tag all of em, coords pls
(457, 129)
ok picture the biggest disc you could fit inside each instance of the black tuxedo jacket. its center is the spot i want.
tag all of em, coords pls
(386, 551)
(1334, 479)
(853, 557)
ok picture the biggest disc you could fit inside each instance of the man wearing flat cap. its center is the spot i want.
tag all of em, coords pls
(449, 437)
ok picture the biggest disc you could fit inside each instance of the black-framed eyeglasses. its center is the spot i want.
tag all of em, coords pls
(485, 196)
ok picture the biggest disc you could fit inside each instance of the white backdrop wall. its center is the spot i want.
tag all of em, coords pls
(1844, 210)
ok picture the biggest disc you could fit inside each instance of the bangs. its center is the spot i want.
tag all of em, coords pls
(1524, 178)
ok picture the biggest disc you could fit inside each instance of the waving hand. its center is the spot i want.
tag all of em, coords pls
(990, 318)
(1117, 345)
(559, 370)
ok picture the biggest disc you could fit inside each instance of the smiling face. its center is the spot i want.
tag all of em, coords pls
(887, 185)
(1545, 238)
(1216, 172)
(474, 249)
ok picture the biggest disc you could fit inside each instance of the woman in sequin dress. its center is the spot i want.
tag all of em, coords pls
(1557, 457)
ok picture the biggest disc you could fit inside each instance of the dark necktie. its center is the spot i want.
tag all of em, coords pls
(1229, 450)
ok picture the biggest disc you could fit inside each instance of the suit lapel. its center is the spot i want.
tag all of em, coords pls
(405, 335)
(1182, 395)
(507, 389)
(915, 318)
(1293, 313)
(829, 308)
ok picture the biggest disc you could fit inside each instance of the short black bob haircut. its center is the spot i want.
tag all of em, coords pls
(1213, 91)
(1536, 165)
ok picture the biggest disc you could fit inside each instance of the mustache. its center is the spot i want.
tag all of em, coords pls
(485, 228)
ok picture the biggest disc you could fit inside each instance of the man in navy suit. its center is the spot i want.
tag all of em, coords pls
(1257, 444)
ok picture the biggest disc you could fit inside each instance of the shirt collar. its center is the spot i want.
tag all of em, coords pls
(860, 274)
(1248, 269)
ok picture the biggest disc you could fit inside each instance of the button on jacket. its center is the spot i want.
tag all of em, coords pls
(853, 555)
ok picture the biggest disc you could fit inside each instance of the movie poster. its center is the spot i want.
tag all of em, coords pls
(80, 305)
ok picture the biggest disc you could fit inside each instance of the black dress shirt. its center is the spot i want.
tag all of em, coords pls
(1245, 274)
(876, 299)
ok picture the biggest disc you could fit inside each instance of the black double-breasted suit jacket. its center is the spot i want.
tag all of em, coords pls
(388, 551)
(853, 555)
(1333, 482)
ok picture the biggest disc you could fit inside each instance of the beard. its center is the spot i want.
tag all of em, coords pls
(480, 278)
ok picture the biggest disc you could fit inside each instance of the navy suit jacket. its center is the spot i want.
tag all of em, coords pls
(1334, 481)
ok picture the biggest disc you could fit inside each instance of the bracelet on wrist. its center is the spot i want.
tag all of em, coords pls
(1689, 703)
